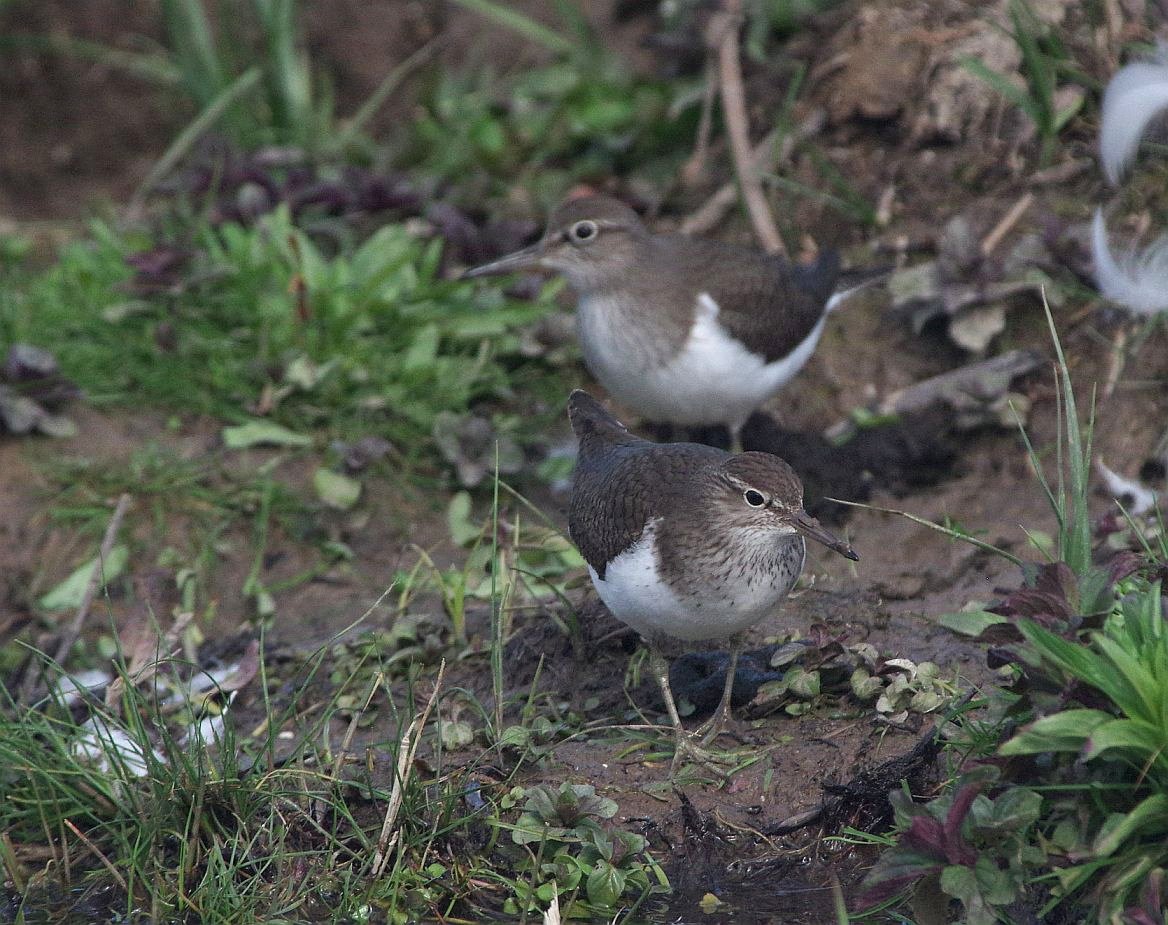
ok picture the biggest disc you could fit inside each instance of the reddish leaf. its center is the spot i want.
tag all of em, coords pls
(895, 871)
(957, 850)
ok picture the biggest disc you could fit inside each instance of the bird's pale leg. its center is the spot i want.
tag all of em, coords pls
(683, 742)
(710, 729)
(660, 669)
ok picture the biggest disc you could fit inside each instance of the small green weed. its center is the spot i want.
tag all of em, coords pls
(1044, 61)
(964, 845)
(1075, 820)
(263, 322)
(1120, 840)
(573, 858)
(584, 116)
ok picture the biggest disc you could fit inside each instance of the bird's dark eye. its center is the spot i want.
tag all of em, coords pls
(584, 231)
(753, 498)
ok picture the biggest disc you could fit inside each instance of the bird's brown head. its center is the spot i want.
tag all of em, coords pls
(759, 491)
(590, 240)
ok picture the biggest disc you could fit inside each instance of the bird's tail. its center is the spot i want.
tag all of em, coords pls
(592, 421)
(854, 281)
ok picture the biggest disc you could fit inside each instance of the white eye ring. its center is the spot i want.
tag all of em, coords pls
(754, 498)
(584, 231)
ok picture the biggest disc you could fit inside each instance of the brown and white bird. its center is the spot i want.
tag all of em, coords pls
(681, 330)
(685, 542)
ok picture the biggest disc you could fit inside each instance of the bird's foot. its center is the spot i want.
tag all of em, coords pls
(709, 731)
(687, 749)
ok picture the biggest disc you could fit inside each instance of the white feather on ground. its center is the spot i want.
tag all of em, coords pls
(1135, 96)
(1138, 281)
(1137, 499)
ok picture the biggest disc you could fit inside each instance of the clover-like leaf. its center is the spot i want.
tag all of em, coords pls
(335, 489)
(864, 685)
(605, 884)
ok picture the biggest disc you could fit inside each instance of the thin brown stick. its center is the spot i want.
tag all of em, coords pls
(724, 32)
(693, 169)
(1002, 228)
(96, 852)
(107, 545)
(406, 750)
(713, 211)
(1115, 364)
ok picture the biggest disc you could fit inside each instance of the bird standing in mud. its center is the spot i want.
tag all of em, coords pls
(685, 542)
(681, 330)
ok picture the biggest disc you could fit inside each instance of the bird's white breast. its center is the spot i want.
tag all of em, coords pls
(633, 589)
(712, 379)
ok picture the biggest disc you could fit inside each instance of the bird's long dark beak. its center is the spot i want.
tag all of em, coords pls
(530, 258)
(813, 529)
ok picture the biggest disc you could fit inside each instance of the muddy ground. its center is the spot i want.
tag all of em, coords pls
(878, 131)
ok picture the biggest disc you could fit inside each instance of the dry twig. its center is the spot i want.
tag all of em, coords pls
(406, 750)
(723, 33)
(1002, 228)
(714, 210)
(343, 752)
(694, 168)
(1115, 364)
(96, 852)
(74, 629)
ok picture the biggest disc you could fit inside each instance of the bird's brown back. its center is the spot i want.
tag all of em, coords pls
(767, 303)
(621, 481)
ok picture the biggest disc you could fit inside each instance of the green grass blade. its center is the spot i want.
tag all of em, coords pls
(496, 606)
(1073, 658)
(1036, 464)
(384, 90)
(198, 126)
(1141, 739)
(193, 42)
(1003, 85)
(1144, 700)
(1150, 816)
(286, 73)
(521, 24)
(155, 67)
(948, 531)
(1076, 538)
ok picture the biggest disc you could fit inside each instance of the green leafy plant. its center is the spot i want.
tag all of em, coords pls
(1086, 779)
(573, 856)
(582, 116)
(1124, 737)
(263, 320)
(963, 845)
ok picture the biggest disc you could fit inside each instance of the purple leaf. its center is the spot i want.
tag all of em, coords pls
(925, 836)
(957, 850)
(895, 871)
